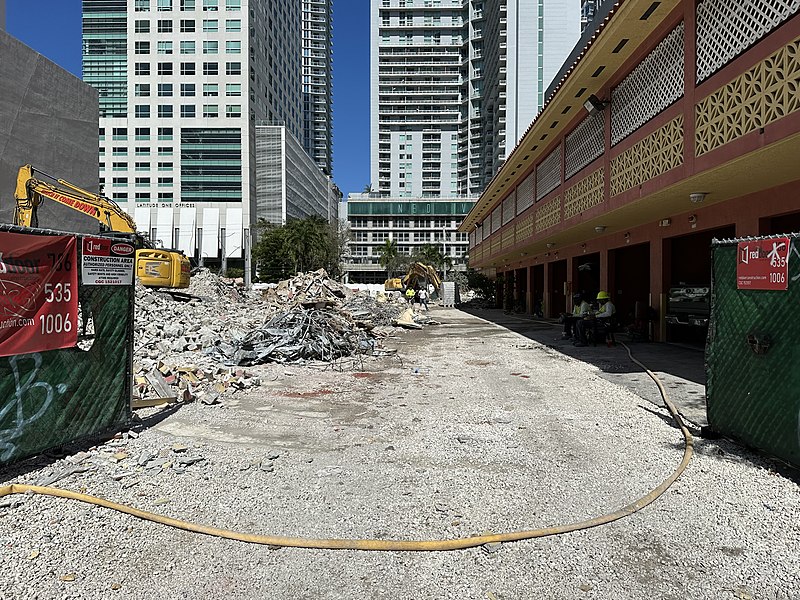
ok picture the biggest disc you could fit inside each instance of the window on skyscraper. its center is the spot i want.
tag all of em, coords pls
(188, 111)
(141, 47)
(187, 68)
(210, 111)
(165, 68)
(142, 167)
(210, 89)
(233, 47)
(141, 5)
(141, 26)
(210, 5)
(233, 25)
(210, 25)
(165, 90)
(187, 25)
(141, 69)
(233, 89)
(233, 4)
(165, 47)
(187, 4)
(143, 150)
(187, 47)
(142, 111)
(210, 47)
(142, 133)
(233, 110)
(165, 111)
(164, 26)
(142, 90)
(233, 68)
(165, 133)
(187, 89)
(164, 4)
(210, 68)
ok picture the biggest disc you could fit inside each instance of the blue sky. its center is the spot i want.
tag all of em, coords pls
(53, 28)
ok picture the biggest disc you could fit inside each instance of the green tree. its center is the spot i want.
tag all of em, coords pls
(388, 257)
(273, 262)
(307, 242)
(300, 245)
(432, 255)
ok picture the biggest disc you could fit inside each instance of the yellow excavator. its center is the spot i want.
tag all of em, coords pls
(417, 275)
(155, 267)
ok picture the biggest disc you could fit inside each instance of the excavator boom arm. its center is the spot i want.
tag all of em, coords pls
(30, 193)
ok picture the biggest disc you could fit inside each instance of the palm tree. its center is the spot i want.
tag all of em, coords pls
(306, 242)
(388, 257)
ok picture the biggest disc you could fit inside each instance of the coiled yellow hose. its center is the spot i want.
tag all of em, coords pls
(391, 545)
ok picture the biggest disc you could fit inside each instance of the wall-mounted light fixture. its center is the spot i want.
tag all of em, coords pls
(600, 228)
(550, 244)
(593, 104)
(627, 237)
(693, 221)
(665, 222)
(583, 247)
(697, 197)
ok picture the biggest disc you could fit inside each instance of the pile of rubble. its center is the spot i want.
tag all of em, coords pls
(180, 346)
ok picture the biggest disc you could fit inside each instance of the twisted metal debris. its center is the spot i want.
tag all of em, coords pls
(299, 334)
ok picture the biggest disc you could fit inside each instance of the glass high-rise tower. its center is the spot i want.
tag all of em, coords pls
(454, 85)
(182, 84)
(318, 81)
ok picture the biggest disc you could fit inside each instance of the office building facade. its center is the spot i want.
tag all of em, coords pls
(182, 84)
(454, 85)
(289, 184)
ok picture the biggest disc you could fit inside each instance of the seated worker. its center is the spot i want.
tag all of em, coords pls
(606, 311)
(580, 311)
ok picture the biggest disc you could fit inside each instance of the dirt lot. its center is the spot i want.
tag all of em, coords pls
(470, 429)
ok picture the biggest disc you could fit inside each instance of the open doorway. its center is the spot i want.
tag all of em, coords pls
(630, 281)
(558, 284)
(586, 275)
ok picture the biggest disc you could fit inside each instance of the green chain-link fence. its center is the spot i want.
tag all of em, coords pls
(753, 380)
(54, 397)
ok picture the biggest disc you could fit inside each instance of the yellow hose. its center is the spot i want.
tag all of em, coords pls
(393, 545)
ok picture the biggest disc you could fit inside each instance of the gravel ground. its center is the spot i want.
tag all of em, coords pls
(470, 429)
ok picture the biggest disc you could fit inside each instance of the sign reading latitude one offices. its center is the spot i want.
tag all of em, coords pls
(763, 264)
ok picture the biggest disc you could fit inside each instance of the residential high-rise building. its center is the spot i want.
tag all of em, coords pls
(317, 81)
(455, 84)
(182, 84)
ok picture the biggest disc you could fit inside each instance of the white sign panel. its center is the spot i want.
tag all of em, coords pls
(107, 262)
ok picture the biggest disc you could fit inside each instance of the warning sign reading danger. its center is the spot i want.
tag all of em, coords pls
(763, 264)
(107, 262)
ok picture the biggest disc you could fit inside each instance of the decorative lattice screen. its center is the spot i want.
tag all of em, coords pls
(548, 174)
(726, 29)
(584, 144)
(525, 194)
(650, 88)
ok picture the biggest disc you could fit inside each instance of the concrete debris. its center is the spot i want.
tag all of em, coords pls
(180, 346)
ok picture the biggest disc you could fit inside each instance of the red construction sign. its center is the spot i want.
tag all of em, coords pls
(763, 264)
(38, 293)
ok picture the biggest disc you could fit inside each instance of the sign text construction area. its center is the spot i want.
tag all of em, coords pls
(107, 262)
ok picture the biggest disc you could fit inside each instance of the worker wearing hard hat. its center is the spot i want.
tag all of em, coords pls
(605, 316)
(580, 310)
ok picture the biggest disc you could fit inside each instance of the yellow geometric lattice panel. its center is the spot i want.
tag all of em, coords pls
(656, 154)
(760, 96)
(588, 192)
(548, 214)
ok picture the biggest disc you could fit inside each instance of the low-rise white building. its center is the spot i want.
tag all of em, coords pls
(411, 222)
